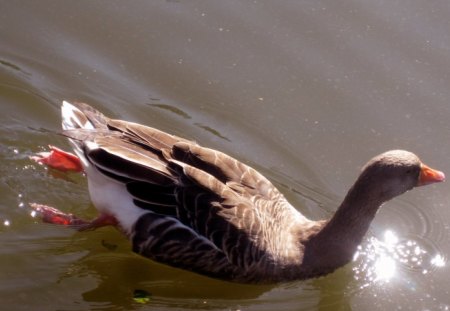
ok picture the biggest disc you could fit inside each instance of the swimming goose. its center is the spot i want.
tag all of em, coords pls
(199, 209)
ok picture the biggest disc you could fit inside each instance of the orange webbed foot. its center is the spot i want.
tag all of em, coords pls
(55, 216)
(59, 159)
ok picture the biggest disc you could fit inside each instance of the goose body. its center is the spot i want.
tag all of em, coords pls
(201, 210)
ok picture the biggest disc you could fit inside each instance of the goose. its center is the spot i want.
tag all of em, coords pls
(201, 210)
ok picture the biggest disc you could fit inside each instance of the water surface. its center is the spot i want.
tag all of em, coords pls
(304, 91)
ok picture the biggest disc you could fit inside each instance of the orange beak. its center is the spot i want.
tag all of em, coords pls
(428, 176)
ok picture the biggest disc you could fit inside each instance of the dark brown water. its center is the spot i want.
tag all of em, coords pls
(305, 91)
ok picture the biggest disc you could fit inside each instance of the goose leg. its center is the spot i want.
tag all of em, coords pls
(59, 159)
(66, 161)
(54, 216)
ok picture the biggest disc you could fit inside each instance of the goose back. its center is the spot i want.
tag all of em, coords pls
(205, 211)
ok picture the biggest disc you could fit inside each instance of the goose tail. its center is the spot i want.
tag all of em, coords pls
(81, 116)
(81, 124)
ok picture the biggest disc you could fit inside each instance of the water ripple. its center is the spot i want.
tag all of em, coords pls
(381, 260)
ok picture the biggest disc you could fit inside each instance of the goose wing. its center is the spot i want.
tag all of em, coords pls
(205, 208)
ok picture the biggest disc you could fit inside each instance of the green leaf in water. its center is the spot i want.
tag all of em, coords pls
(141, 296)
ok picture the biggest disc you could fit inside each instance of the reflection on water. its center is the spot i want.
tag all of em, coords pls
(185, 115)
(378, 261)
(172, 109)
(212, 131)
(438, 261)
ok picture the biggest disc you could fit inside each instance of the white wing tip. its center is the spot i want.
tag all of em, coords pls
(73, 118)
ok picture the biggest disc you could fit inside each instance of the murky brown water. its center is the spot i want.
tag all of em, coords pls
(305, 91)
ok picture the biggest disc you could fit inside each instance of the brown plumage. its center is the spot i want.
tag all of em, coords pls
(199, 209)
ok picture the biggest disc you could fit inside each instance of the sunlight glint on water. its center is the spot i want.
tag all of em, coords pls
(380, 260)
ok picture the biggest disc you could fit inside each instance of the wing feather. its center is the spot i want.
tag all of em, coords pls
(226, 169)
(204, 205)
